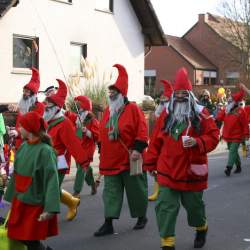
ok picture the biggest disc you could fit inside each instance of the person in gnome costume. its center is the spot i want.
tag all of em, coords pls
(65, 142)
(235, 129)
(183, 135)
(28, 103)
(34, 188)
(87, 129)
(123, 133)
(164, 99)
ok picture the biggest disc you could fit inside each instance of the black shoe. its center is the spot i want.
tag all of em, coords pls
(238, 169)
(168, 248)
(228, 171)
(200, 239)
(141, 223)
(48, 248)
(105, 229)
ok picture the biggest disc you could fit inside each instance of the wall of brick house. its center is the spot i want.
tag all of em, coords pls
(166, 62)
(220, 52)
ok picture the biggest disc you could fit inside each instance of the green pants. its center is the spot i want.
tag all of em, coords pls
(81, 176)
(168, 205)
(61, 178)
(137, 194)
(233, 156)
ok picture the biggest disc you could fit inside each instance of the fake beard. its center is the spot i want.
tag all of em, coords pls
(50, 114)
(160, 108)
(83, 115)
(229, 107)
(25, 104)
(181, 111)
(115, 105)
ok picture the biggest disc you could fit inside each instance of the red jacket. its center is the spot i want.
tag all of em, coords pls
(88, 144)
(247, 110)
(114, 156)
(66, 142)
(172, 161)
(235, 127)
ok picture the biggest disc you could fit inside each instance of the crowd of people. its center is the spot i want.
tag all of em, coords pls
(47, 136)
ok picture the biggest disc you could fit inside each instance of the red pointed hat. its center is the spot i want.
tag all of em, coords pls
(59, 97)
(32, 122)
(181, 80)
(238, 96)
(122, 81)
(85, 102)
(34, 82)
(168, 88)
(39, 108)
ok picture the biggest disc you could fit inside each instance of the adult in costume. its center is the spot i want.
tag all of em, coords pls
(123, 131)
(28, 103)
(34, 188)
(164, 99)
(235, 129)
(174, 158)
(65, 142)
(87, 130)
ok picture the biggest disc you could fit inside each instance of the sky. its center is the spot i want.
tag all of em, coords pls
(178, 16)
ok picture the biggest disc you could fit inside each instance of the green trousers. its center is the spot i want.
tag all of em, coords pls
(81, 176)
(168, 205)
(61, 178)
(233, 156)
(136, 188)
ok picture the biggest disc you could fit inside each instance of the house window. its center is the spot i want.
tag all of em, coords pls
(149, 82)
(209, 77)
(104, 5)
(232, 77)
(25, 52)
(77, 51)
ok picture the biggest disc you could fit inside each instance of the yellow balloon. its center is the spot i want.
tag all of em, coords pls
(221, 91)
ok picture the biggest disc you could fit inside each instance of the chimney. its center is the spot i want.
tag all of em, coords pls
(203, 18)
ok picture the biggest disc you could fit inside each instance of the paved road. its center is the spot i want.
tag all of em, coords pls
(228, 211)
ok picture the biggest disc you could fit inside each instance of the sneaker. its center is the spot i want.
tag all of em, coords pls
(141, 223)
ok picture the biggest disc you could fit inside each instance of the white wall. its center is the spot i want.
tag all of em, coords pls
(111, 38)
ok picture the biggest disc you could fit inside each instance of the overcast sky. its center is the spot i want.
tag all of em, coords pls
(178, 16)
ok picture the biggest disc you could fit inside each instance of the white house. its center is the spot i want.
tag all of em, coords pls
(53, 34)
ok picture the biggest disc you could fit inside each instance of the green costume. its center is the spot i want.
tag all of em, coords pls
(233, 157)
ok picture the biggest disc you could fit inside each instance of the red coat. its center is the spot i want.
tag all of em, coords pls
(235, 127)
(172, 161)
(114, 157)
(66, 142)
(88, 144)
(247, 110)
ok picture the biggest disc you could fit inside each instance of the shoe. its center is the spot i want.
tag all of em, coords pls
(49, 248)
(94, 189)
(105, 229)
(71, 202)
(141, 223)
(200, 239)
(168, 248)
(76, 195)
(155, 194)
(238, 169)
(227, 171)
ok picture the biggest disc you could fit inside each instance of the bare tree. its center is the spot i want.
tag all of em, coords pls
(237, 30)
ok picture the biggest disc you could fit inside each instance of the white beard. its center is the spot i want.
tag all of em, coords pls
(229, 106)
(160, 108)
(80, 120)
(52, 114)
(115, 105)
(181, 111)
(25, 104)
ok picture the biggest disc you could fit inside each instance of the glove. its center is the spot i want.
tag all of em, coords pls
(13, 133)
(45, 216)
